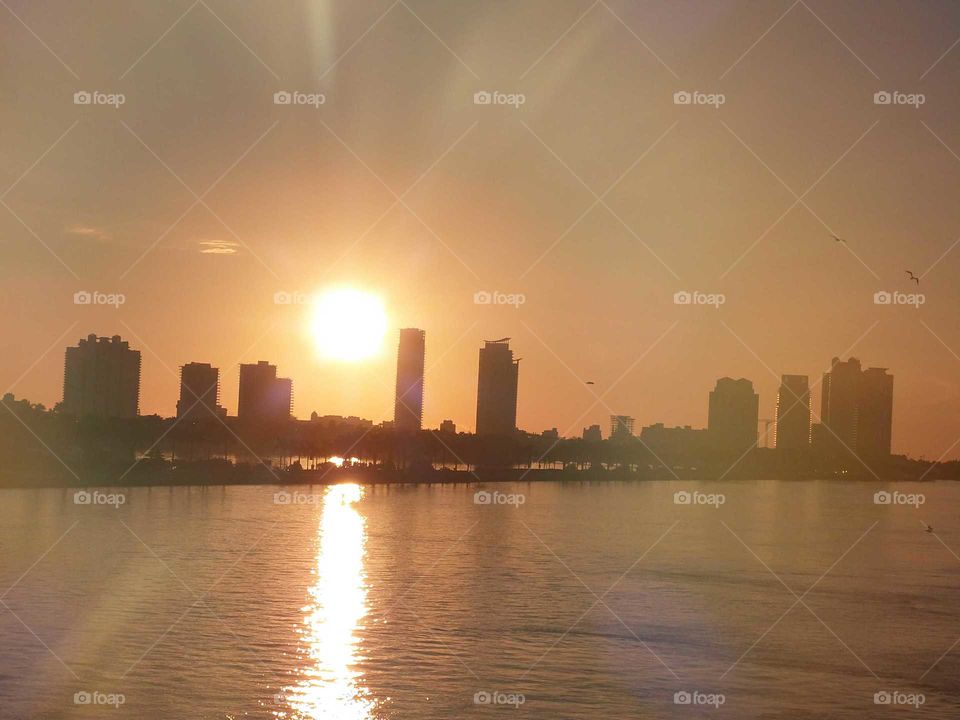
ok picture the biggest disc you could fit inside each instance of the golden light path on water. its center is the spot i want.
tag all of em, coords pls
(331, 687)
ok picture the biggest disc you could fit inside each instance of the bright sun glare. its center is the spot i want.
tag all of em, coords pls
(348, 324)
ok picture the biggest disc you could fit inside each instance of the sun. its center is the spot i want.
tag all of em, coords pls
(348, 325)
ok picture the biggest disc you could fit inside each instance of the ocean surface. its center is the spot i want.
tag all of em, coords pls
(541, 600)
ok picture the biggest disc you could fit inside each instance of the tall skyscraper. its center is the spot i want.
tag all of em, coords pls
(875, 416)
(199, 392)
(264, 396)
(839, 400)
(792, 431)
(497, 389)
(408, 401)
(856, 407)
(734, 412)
(101, 378)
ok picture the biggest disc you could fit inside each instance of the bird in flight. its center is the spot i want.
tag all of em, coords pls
(837, 239)
(913, 277)
(590, 382)
(929, 528)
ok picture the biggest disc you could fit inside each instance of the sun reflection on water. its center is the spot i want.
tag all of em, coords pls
(331, 686)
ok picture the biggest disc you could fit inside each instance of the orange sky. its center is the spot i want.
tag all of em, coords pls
(297, 198)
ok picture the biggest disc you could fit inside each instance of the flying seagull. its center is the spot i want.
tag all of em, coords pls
(929, 528)
(590, 382)
(913, 277)
(837, 239)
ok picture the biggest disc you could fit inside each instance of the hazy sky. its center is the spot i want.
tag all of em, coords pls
(297, 198)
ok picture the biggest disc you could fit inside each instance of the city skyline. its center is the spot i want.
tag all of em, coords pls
(382, 359)
(705, 200)
(855, 418)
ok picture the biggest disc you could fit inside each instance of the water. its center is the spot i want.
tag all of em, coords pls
(588, 600)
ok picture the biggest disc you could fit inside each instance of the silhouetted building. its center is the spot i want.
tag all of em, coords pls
(856, 409)
(264, 396)
(497, 389)
(101, 378)
(792, 431)
(339, 422)
(199, 392)
(733, 415)
(551, 434)
(839, 399)
(674, 443)
(621, 427)
(875, 415)
(448, 426)
(408, 403)
(592, 433)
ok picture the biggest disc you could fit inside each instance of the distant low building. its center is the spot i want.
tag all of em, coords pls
(551, 434)
(674, 443)
(340, 422)
(592, 434)
(448, 426)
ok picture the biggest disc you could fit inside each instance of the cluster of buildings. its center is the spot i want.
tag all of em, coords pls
(856, 417)
(102, 379)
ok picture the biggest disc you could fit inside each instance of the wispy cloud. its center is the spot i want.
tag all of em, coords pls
(218, 247)
(89, 231)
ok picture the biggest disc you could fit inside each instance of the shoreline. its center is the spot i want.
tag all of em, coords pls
(221, 474)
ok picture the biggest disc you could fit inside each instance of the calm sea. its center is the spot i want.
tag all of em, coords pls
(543, 600)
